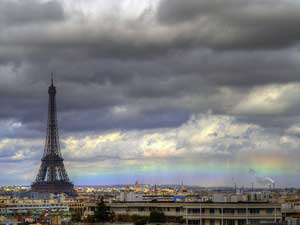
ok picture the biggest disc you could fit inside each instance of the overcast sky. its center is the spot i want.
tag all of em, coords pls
(158, 91)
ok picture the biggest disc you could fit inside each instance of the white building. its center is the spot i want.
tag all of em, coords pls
(131, 196)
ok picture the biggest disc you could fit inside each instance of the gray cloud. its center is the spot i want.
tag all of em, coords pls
(234, 24)
(143, 72)
(20, 13)
(150, 70)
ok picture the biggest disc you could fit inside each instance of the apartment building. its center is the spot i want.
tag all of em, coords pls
(206, 213)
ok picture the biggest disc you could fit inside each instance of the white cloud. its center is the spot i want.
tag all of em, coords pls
(270, 99)
(206, 137)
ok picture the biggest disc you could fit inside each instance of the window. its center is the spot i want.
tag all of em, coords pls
(228, 222)
(228, 211)
(193, 222)
(278, 210)
(241, 211)
(269, 211)
(254, 211)
(211, 211)
(241, 222)
(253, 221)
(194, 211)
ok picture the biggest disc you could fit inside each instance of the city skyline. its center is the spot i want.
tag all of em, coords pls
(159, 91)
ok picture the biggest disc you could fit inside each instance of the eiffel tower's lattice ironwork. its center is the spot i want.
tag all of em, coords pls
(52, 176)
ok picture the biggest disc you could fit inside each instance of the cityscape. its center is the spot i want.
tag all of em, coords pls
(149, 112)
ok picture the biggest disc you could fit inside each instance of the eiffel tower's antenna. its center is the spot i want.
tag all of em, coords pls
(52, 79)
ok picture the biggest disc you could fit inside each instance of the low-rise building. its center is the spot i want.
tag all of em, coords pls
(206, 213)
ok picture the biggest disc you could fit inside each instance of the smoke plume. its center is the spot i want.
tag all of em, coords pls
(264, 181)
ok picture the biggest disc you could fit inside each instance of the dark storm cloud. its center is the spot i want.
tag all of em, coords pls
(18, 12)
(238, 69)
(154, 70)
(176, 11)
(154, 93)
(234, 24)
(230, 25)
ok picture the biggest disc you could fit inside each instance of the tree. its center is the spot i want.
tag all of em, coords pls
(157, 217)
(136, 219)
(76, 217)
(139, 220)
(103, 213)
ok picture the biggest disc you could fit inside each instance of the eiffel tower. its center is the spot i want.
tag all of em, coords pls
(52, 176)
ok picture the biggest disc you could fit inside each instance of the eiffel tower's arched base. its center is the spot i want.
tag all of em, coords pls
(53, 187)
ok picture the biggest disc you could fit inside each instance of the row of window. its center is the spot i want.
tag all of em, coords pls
(162, 209)
(34, 205)
(230, 222)
(209, 210)
(232, 211)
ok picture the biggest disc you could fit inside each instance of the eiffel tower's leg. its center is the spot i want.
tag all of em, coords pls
(42, 173)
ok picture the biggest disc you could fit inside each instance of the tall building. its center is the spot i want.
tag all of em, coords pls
(52, 176)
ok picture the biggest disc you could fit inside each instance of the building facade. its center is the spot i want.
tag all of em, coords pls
(206, 213)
